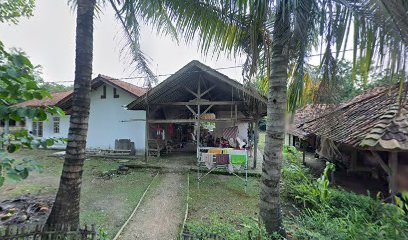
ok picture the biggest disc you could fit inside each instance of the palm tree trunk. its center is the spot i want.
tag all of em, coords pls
(66, 206)
(270, 207)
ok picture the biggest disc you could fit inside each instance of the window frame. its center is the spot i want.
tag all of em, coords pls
(56, 123)
(115, 93)
(37, 128)
(103, 96)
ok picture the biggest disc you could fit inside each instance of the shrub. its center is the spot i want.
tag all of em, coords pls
(333, 213)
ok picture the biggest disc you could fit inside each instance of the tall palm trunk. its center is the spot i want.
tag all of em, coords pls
(66, 206)
(270, 208)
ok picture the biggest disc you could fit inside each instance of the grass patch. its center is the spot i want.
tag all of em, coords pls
(220, 205)
(106, 203)
(312, 208)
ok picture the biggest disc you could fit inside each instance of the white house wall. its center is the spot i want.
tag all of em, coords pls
(48, 128)
(109, 120)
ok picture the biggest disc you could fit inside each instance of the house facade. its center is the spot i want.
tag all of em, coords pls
(108, 118)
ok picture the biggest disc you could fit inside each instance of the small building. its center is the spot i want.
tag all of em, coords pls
(195, 103)
(56, 126)
(181, 108)
(106, 117)
(366, 133)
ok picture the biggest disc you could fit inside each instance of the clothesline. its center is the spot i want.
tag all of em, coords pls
(223, 158)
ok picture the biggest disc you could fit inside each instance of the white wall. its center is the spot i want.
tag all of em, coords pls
(48, 128)
(105, 120)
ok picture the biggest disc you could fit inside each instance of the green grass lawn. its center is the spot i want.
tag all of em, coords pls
(221, 205)
(104, 202)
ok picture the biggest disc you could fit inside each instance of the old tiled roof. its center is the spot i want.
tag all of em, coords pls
(305, 114)
(128, 87)
(56, 98)
(372, 120)
(64, 99)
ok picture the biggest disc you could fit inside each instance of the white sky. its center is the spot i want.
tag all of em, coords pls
(49, 40)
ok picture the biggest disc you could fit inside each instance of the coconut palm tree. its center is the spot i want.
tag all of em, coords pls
(273, 34)
(282, 33)
(66, 206)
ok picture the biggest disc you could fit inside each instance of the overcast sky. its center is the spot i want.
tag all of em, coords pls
(49, 39)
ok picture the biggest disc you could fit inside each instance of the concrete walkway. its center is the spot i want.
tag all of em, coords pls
(161, 213)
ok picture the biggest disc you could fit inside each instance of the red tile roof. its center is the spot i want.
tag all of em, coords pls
(54, 100)
(128, 87)
(63, 99)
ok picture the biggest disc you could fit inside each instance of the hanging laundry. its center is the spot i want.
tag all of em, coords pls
(170, 129)
(238, 159)
(226, 150)
(208, 160)
(237, 152)
(222, 159)
(215, 150)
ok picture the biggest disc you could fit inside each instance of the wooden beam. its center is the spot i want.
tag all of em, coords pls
(206, 91)
(195, 120)
(255, 142)
(190, 91)
(196, 102)
(384, 166)
(303, 143)
(191, 110)
(392, 177)
(236, 112)
(198, 115)
(206, 110)
(147, 129)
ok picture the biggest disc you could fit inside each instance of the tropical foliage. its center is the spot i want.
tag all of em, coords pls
(17, 83)
(326, 212)
(12, 10)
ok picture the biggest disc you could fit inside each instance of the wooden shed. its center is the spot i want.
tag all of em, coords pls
(370, 130)
(198, 94)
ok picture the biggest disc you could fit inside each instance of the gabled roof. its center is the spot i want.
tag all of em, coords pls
(372, 120)
(172, 89)
(53, 101)
(128, 87)
(64, 99)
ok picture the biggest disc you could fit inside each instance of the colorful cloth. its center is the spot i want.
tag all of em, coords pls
(238, 159)
(237, 152)
(230, 132)
(222, 159)
(226, 150)
(208, 159)
(215, 150)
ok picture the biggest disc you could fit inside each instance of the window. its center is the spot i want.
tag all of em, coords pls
(115, 94)
(56, 124)
(37, 129)
(104, 92)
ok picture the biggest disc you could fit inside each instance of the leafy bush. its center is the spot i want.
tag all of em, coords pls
(332, 213)
(237, 227)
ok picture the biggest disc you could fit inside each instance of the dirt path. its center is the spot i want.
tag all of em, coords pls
(161, 213)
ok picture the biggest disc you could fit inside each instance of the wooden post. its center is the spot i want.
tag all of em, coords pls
(147, 134)
(255, 142)
(393, 166)
(198, 115)
(303, 143)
